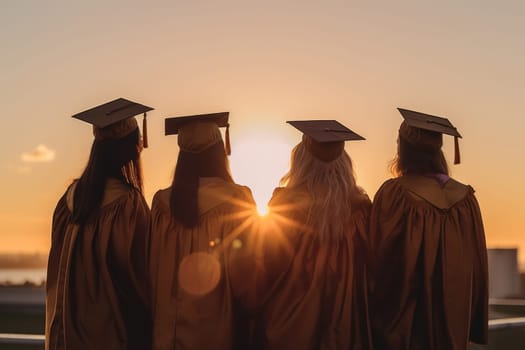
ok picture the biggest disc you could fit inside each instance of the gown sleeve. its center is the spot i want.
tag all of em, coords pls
(479, 310)
(161, 274)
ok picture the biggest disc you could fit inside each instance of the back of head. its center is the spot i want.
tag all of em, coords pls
(419, 152)
(427, 140)
(196, 137)
(419, 144)
(201, 154)
(324, 151)
(115, 153)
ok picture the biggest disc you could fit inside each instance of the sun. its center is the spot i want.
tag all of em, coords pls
(259, 162)
(262, 209)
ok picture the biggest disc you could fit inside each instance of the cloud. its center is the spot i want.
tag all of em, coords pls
(40, 154)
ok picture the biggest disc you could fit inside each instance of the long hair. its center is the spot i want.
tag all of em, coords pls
(116, 158)
(411, 159)
(332, 188)
(212, 162)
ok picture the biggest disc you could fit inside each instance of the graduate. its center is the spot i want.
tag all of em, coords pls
(312, 283)
(96, 290)
(428, 256)
(195, 224)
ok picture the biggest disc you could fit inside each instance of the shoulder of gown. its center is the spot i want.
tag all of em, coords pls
(161, 199)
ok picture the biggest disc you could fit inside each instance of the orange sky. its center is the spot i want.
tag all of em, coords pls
(265, 63)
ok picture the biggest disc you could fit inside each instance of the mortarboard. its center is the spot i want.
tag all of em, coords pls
(115, 119)
(325, 130)
(426, 130)
(325, 138)
(199, 132)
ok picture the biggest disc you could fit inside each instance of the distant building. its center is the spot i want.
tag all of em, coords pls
(504, 275)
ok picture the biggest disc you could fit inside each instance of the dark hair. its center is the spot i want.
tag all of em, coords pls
(190, 167)
(411, 159)
(116, 158)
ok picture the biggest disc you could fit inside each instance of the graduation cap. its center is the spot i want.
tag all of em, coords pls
(115, 119)
(427, 131)
(199, 132)
(325, 138)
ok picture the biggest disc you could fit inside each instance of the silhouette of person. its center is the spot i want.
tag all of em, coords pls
(195, 224)
(427, 243)
(311, 283)
(96, 292)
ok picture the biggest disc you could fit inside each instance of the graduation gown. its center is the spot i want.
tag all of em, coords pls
(96, 290)
(429, 287)
(313, 293)
(195, 301)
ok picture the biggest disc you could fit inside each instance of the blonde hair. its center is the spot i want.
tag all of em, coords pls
(331, 186)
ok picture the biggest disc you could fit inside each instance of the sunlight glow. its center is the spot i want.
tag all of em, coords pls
(259, 162)
(262, 209)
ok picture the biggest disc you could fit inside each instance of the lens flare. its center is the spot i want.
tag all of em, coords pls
(199, 273)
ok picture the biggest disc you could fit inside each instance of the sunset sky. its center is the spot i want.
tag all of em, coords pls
(265, 62)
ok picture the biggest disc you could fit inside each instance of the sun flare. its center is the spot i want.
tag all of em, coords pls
(259, 162)
(262, 209)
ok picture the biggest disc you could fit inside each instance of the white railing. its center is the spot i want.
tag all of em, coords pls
(22, 339)
(502, 323)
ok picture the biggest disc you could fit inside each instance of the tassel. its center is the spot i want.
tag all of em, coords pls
(144, 132)
(227, 136)
(456, 150)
